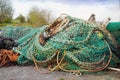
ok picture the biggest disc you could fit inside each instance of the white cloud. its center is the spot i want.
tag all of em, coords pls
(80, 11)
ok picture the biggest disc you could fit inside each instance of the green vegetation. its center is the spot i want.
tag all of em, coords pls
(61, 79)
(35, 17)
(20, 19)
(6, 11)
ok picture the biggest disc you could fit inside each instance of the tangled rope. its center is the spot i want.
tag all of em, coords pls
(87, 68)
(7, 56)
(69, 44)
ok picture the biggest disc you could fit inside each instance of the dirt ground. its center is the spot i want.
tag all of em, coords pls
(30, 73)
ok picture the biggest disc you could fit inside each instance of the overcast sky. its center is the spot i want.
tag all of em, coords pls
(77, 8)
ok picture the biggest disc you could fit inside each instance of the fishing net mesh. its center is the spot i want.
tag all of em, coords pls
(79, 46)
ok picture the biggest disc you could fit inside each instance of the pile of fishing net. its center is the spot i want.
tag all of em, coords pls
(70, 44)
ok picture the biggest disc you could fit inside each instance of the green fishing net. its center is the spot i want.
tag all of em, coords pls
(81, 42)
(15, 32)
(114, 28)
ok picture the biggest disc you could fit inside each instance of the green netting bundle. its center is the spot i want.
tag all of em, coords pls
(114, 28)
(15, 32)
(78, 46)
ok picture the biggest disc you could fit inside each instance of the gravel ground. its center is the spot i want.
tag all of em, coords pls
(29, 73)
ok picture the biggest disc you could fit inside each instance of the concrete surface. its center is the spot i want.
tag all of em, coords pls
(29, 73)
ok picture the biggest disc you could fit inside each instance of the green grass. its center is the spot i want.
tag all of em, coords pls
(11, 24)
(4, 24)
(61, 79)
(18, 24)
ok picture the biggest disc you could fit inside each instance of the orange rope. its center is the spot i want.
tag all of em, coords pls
(7, 56)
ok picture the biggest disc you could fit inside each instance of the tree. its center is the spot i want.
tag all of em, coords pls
(21, 18)
(6, 11)
(37, 17)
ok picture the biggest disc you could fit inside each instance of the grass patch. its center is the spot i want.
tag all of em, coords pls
(61, 79)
